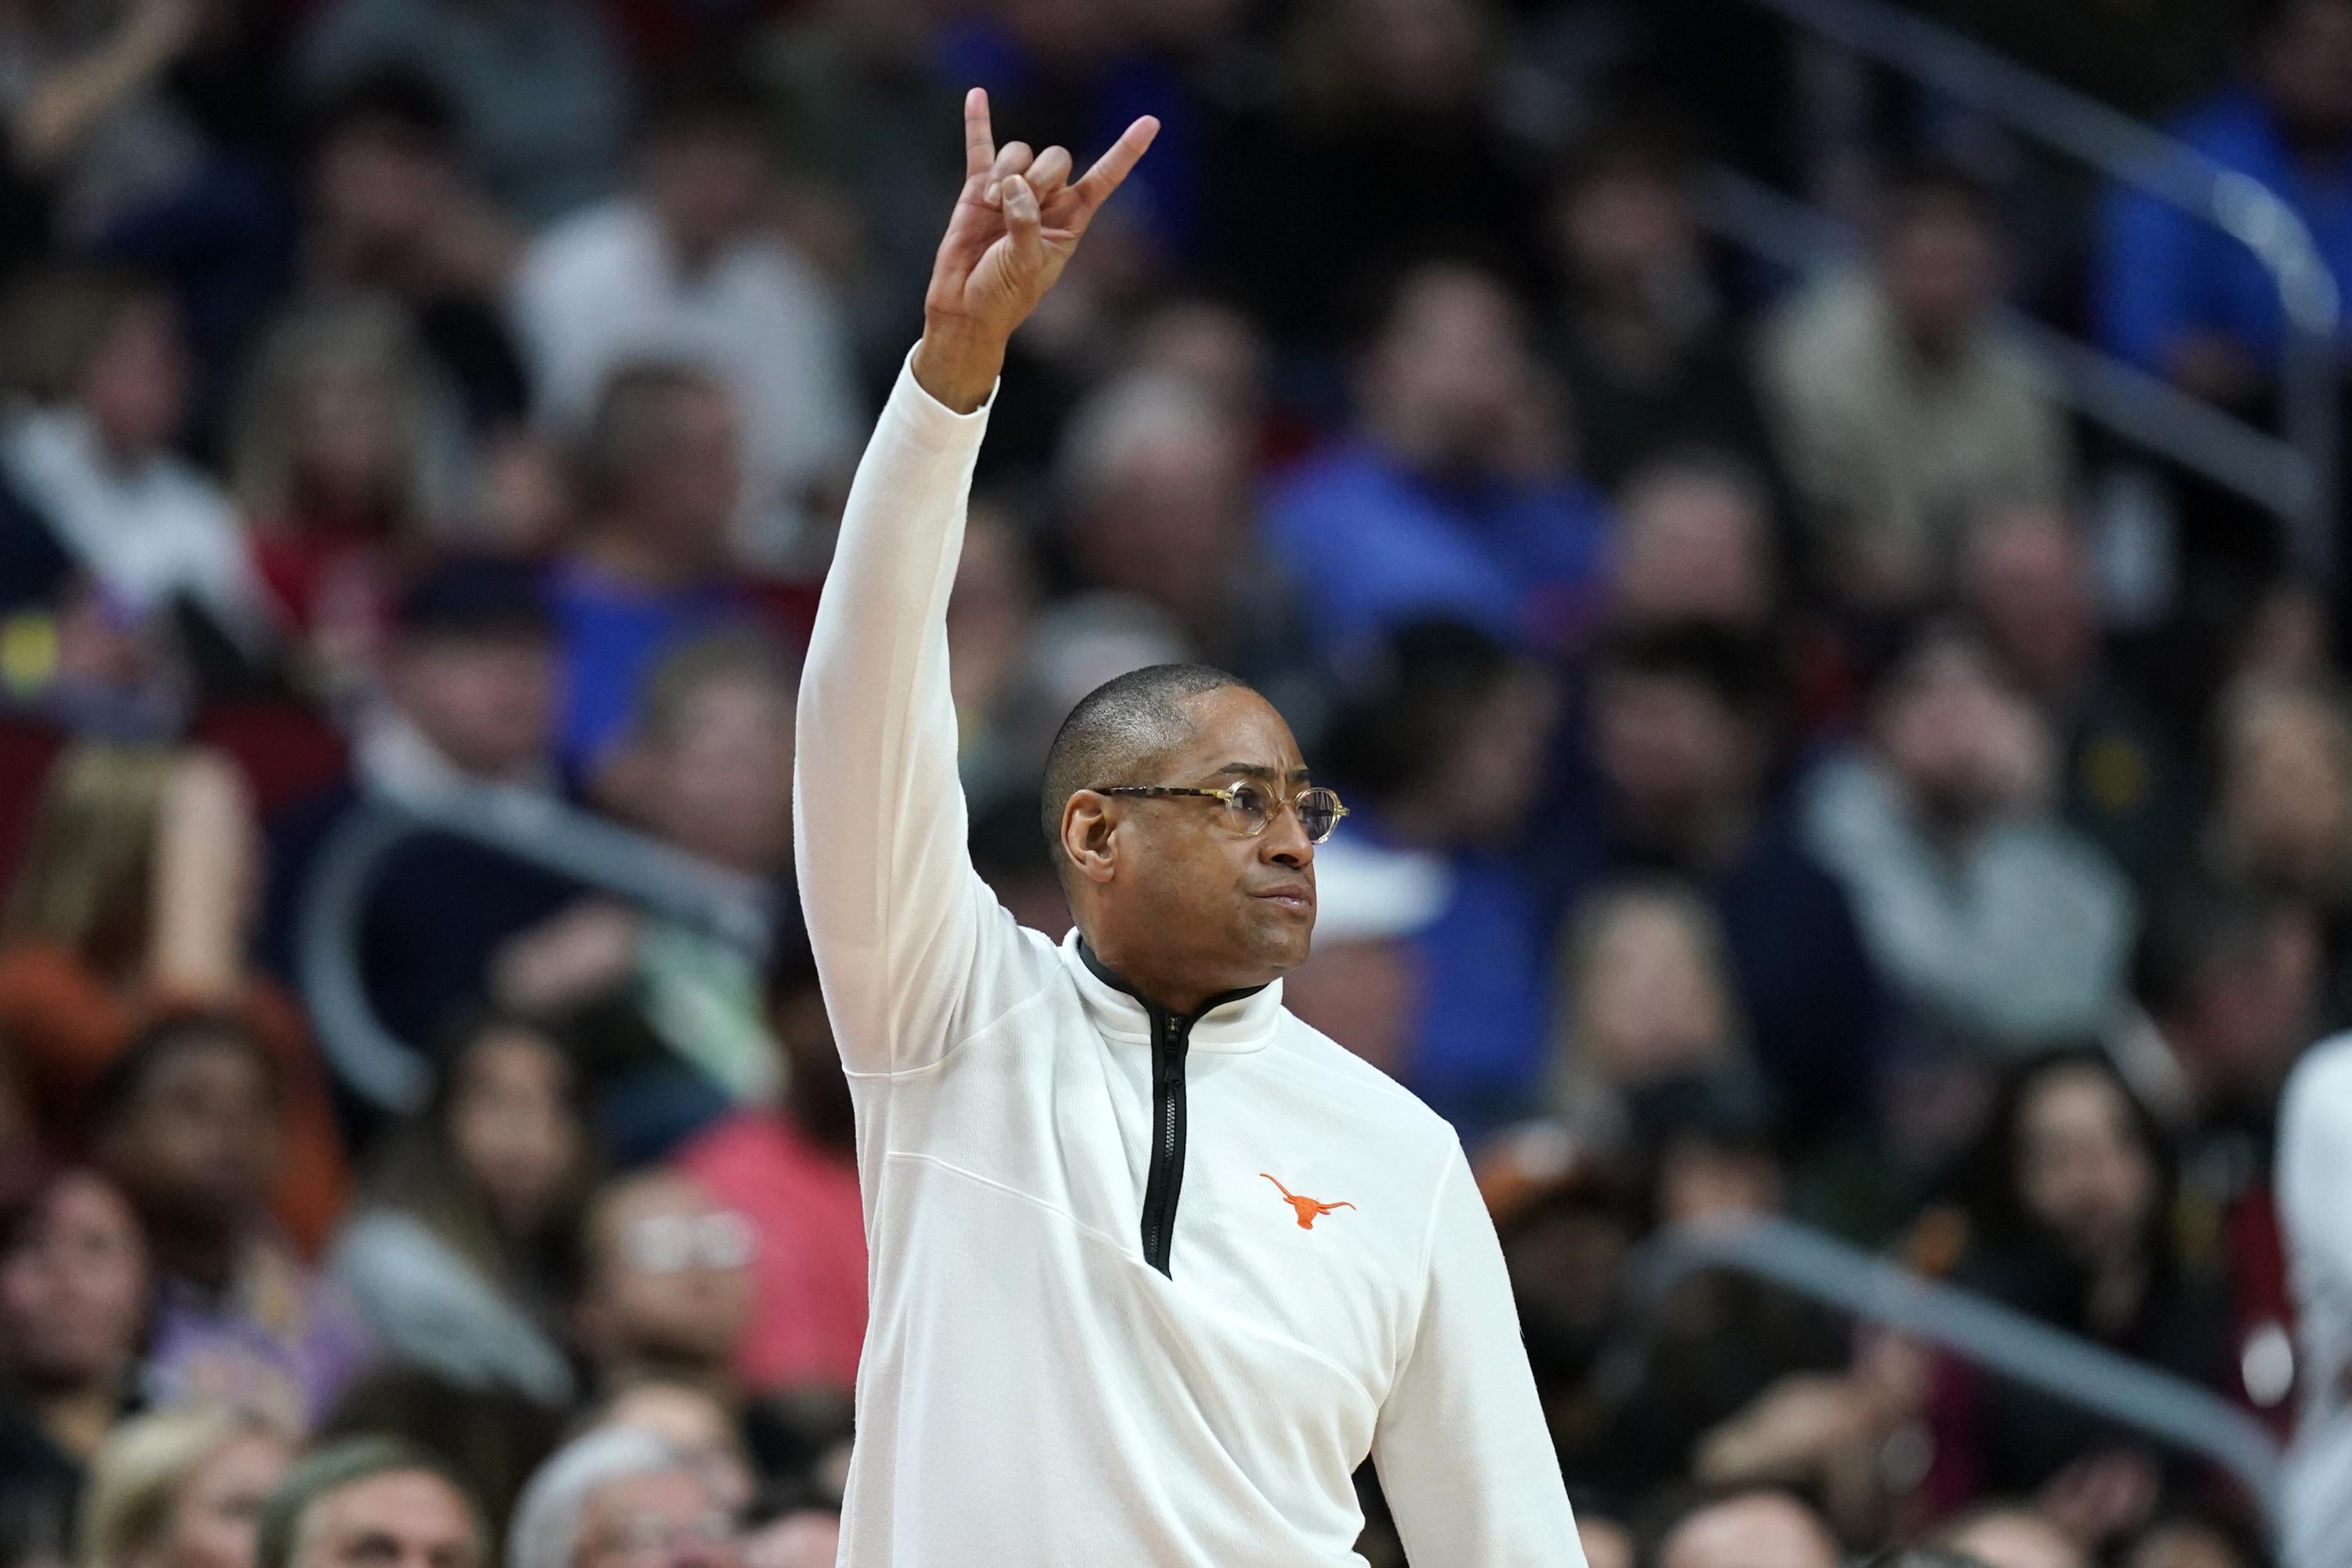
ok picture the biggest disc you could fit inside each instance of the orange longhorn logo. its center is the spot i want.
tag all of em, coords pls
(1309, 1209)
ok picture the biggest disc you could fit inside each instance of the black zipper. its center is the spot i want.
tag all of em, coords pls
(1171, 1035)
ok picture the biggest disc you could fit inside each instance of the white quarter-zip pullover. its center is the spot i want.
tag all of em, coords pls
(1145, 1291)
(2314, 1191)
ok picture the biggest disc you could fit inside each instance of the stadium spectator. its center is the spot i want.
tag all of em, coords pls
(73, 1312)
(2282, 815)
(460, 1254)
(1645, 995)
(1452, 496)
(187, 1122)
(2025, 580)
(132, 899)
(689, 267)
(1695, 546)
(1653, 361)
(2069, 1197)
(103, 362)
(2007, 1535)
(666, 1286)
(1997, 924)
(698, 1429)
(620, 1489)
(1443, 750)
(370, 1500)
(1681, 729)
(1900, 411)
(2228, 980)
(542, 153)
(668, 1013)
(145, 135)
(1154, 478)
(1748, 1530)
(391, 210)
(466, 718)
(2194, 1538)
(342, 463)
(180, 1489)
(791, 1171)
(662, 471)
(2191, 302)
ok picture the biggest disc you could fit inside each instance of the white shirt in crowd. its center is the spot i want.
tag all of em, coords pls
(152, 532)
(603, 288)
(1054, 1376)
(2314, 1199)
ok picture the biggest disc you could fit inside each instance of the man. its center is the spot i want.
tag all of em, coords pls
(1446, 743)
(2025, 578)
(621, 1495)
(1900, 413)
(1683, 732)
(1452, 499)
(1749, 1530)
(1997, 924)
(687, 265)
(662, 468)
(470, 690)
(669, 1012)
(369, 1502)
(2185, 299)
(1155, 1264)
(188, 1124)
(1154, 476)
(667, 1292)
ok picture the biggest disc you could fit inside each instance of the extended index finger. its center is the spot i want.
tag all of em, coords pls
(978, 140)
(1112, 167)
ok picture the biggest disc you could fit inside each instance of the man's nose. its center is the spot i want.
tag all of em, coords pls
(1285, 841)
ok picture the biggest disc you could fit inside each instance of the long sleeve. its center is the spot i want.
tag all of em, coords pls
(1465, 1458)
(907, 938)
(2315, 1183)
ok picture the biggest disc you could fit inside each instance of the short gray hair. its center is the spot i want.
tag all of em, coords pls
(548, 1516)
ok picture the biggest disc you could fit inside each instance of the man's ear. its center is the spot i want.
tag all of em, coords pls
(1087, 825)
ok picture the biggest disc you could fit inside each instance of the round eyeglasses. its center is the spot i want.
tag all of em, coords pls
(1251, 808)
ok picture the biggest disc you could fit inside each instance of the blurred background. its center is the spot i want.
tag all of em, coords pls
(1808, 532)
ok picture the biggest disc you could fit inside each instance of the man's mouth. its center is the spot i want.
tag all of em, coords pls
(1296, 896)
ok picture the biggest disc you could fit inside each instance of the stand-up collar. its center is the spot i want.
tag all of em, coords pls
(1239, 1021)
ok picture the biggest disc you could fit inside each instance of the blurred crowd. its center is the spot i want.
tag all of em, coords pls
(1797, 767)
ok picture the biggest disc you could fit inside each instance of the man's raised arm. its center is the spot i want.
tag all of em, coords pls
(898, 918)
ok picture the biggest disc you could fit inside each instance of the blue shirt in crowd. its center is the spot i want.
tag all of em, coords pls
(1374, 546)
(612, 633)
(1484, 1040)
(2165, 273)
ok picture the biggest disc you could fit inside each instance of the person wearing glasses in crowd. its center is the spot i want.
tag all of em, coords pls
(1156, 1266)
(666, 1286)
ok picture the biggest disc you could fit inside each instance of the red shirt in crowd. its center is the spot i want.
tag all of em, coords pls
(809, 1273)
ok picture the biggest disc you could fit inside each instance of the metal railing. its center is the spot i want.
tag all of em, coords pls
(1806, 1262)
(2131, 152)
(1798, 238)
(539, 830)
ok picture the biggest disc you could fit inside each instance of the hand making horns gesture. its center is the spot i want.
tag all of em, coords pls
(1017, 224)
